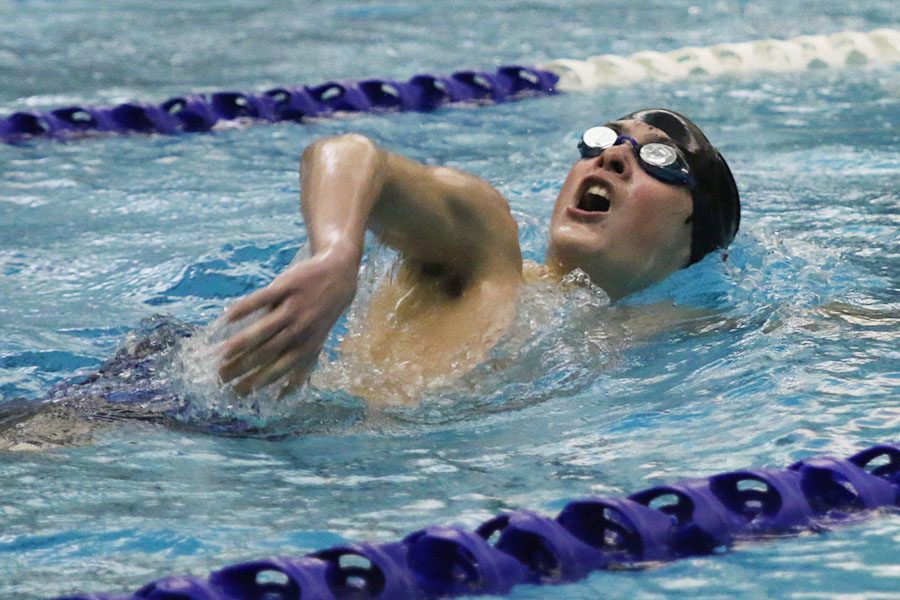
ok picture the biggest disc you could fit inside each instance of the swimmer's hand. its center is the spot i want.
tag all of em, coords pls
(301, 306)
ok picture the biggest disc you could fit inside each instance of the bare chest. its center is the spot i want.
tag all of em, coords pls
(416, 336)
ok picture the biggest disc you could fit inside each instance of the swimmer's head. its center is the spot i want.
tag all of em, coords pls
(630, 213)
(717, 205)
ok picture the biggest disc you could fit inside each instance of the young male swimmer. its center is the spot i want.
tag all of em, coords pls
(650, 195)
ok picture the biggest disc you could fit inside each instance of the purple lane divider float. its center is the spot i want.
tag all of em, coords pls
(663, 523)
(201, 112)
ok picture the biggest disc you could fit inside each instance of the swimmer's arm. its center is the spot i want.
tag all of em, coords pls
(432, 215)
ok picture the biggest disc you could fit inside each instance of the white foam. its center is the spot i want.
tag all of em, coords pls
(847, 49)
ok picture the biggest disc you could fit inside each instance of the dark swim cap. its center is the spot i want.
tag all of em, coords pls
(717, 206)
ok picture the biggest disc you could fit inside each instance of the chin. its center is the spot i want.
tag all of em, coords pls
(573, 246)
(575, 254)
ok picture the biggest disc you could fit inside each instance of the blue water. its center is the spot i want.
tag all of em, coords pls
(786, 350)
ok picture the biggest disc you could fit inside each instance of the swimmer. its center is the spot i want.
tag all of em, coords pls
(649, 196)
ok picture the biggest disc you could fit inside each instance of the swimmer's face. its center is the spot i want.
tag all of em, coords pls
(624, 228)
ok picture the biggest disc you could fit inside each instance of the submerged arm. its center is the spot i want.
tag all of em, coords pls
(432, 215)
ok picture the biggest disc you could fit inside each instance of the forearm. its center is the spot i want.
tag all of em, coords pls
(341, 180)
(429, 214)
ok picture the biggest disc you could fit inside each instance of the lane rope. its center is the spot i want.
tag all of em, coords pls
(847, 49)
(694, 517)
(202, 112)
(205, 112)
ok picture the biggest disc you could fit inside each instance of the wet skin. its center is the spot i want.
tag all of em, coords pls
(461, 267)
(643, 236)
(450, 299)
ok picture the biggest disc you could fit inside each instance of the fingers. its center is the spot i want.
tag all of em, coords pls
(296, 379)
(272, 342)
(259, 299)
(255, 334)
(286, 338)
(268, 374)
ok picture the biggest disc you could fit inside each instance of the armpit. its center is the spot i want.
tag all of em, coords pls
(447, 279)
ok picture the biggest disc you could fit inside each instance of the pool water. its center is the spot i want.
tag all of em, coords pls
(786, 350)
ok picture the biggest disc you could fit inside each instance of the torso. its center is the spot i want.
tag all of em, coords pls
(423, 328)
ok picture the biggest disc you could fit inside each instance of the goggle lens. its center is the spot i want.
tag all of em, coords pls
(658, 155)
(658, 159)
(599, 138)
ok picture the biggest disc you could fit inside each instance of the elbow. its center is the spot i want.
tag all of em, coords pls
(348, 143)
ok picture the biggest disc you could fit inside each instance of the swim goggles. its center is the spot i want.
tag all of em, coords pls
(659, 160)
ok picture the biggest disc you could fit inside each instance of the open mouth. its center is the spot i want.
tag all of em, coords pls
(594, 199)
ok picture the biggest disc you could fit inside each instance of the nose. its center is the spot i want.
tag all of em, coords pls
(618, 159)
